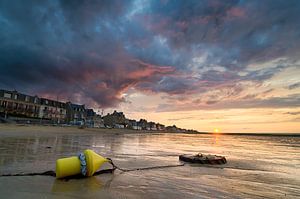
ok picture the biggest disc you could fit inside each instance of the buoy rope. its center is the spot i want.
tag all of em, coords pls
(143, 168)
(52, 173)
(45, 173)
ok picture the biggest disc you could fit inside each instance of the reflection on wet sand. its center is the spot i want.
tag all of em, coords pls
(253, 170)
(91, 184)
(216, 136)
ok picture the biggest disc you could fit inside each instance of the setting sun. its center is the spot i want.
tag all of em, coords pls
(216, 130)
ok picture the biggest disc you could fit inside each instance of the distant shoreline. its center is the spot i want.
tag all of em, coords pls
(261, 134)
(28, 129)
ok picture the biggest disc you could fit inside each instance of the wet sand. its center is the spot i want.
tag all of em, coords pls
(258, 167)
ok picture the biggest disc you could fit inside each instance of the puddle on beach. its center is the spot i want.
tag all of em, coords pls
(258, 166)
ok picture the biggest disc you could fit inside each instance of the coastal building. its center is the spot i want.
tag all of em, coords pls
(115, 120)
(173, 129)
(90, 116)
(15, 104)
(143, 124)
(152, 126)
(133, 124)
(18, 107)
(76, 114)
(98, 121)
(160, 127)
(52, 110)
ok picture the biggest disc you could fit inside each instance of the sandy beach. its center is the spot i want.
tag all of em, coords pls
(251, 172)
(46, 130)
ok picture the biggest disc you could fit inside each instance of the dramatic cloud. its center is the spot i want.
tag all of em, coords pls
(294, 86)
(291, 101)
(205, 52)
(293, 113)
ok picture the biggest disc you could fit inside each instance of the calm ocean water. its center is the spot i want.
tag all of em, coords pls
(258, 166)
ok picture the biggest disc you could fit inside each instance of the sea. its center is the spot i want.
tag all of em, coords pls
(258, 166)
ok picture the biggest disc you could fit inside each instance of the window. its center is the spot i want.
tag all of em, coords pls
(35, 100)
(15, 105)
(16, 96)
(46, 102)
(3, 103)
(7, 95)
(9, 104)
(27, 98)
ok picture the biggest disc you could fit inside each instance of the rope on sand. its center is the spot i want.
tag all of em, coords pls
(46, 173)
(52, 173)
(144, 168)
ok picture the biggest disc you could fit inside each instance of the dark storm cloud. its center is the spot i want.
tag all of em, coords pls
(231, 34)
(71, 49)
(253, 29)
(93, 51)
(294, 86)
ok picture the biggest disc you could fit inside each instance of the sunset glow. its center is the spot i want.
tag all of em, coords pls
(200, 65)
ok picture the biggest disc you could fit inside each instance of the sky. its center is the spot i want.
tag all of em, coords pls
(232, 65)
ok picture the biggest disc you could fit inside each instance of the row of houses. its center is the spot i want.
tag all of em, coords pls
(118, 120)
(19, 106)
(22, 107)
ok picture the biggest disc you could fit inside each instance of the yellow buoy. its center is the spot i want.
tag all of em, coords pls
(93, 161)
(67, 167)
(72, 165)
